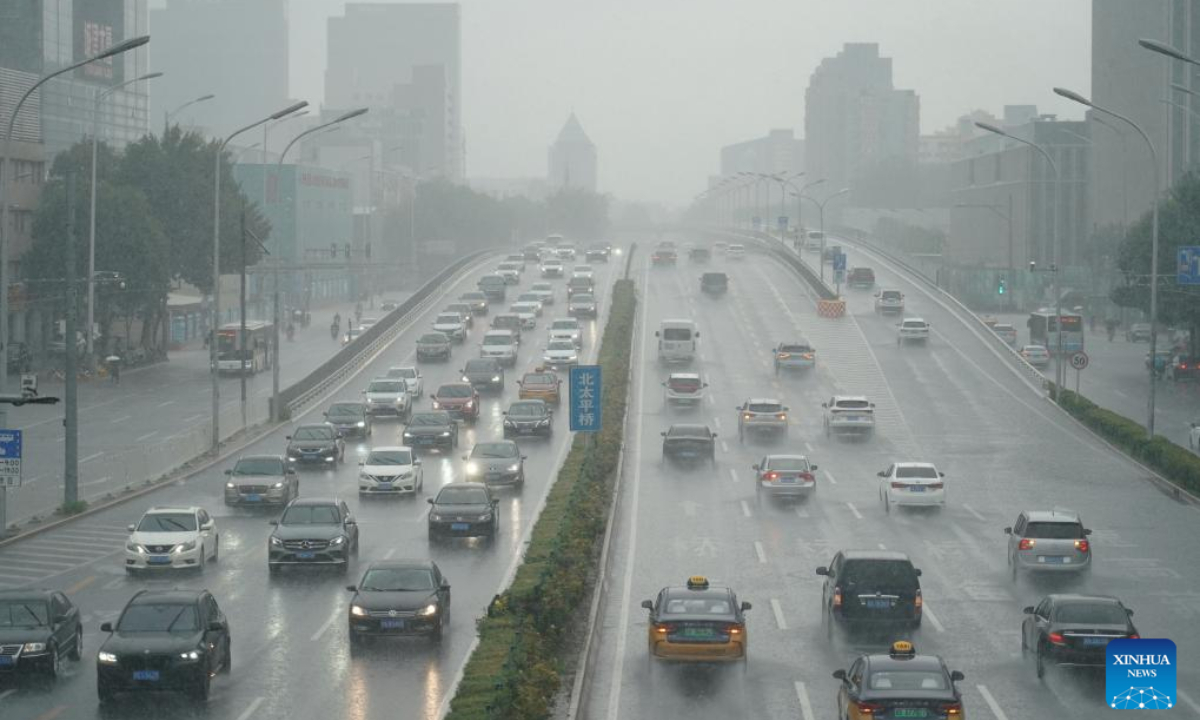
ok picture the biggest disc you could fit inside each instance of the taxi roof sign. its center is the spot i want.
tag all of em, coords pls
(902, 649)
(697, 582)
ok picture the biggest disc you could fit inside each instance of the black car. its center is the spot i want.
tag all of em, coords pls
(899, 684)
(164, 640)
(434, 429)
(1074, 630)
(399, 597)
(496, 463)
(529, 417)
(319, 444)
(687, 442)
(477, 300)
(39, 629)
(463, 509)
(1182, 367)
(599, 253)
(313, 531)
(870, 589)
(699, 254)
(714, 283)
(484, 374)
(433, 346)
(350, 418)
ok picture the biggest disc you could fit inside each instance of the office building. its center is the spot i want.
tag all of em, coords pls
(573, 158)
(778, 152)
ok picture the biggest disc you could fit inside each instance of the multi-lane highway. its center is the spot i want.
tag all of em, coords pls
(954, 402)
(291, 656)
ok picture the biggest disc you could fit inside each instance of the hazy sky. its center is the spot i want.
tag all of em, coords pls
(661, 85)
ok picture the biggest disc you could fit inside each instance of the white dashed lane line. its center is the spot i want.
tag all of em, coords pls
(829, 476)
(733, 475)
(777, 610)
(745, 508)
(991, 702)
(760, 551)
(806, 711)
(972, 510)
(854, 510)
(251, 709)
(937, 624)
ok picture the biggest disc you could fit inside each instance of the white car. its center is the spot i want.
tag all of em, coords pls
(411, 376)
(684, 389)
(785, 475)
(500, 345)
(552, 267)
(544, 291)
(911, 483)
(1007, 332)
(889, 300)
(736, 251)
(583, 271)
(526, 306)
(367, 322)
(532, 297)
(849, 414)
(391, 470)
(172, 538)
(451, 325)
(517, 259)
(912, 329)
(526, 317)
(510, 272)
(1036, 355)
(569, 328)
(560, 353)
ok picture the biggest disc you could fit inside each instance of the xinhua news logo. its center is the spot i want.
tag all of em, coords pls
(1140, 674)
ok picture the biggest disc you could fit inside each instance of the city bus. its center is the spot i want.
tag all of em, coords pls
(254, 354)
(1042, 331)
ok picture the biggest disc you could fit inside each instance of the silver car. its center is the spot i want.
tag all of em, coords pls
(388, 396)
(765, 414)
(1048, 541)
(785, 475)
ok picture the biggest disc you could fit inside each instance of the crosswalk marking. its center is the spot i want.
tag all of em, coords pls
(42, 557)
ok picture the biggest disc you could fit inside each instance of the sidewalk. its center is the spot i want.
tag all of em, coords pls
(158, 417)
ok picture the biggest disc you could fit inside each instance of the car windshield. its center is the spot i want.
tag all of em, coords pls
(526, 409)
(688, 431)
(474, 296)
(459, 308)
(1000, 327)
(908, 680)
(167, 522)
(258, 466)
(869, 575)
(766, 407)
(1091, 614)
(462, 496)
(405, 373)
(345, 410)
(529, 298)
(916, 472)
(497, 340)
(1054, 530)
(429, 419)
(700, 605)
(24, 613)
(147, 617)
(564, 325)
(890, 295)
(310, 515)
(397, 580)
(387, 386)
(914, 324)
(389, 457)
(433, 339)
(787, 464)
(677, 334)
(448, 319)
(313, 433)
(688, 384)
(853, 405)
(480, 366)
(542, 288)
(495, 450)
(1033, 349)
(582, 298)
(454, 391)
(540, 379)
(794, 348)
(561, 345)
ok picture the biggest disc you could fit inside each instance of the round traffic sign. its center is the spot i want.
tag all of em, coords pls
(1079, 360)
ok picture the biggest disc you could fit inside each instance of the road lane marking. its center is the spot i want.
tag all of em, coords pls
(801, 513)
(777, 610)
(689, 508)
(808, 446)
(724, 447)
(164, 404)
(81, 584)
(147, 436)
(93, 456)
(745, 508)
(733, 475)
(760, 552)
(52, 713)
(806, 710)
(937, 624)
(991, 702)
(190, 418)
(328, 624)
(972, 510)
(1187, 699)
(250, 709)
(114, 583)
(717, 422)
(712, 401)
(6, 693)
(388, 555)
(829, 477)
(854, 510)
(882, 546)
(123, 418)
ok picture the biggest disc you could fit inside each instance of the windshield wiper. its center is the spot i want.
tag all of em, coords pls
(178, 615)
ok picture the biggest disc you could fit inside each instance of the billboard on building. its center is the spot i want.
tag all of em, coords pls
(99, 24)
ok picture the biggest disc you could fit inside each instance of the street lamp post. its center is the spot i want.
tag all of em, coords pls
(821, 211)
(1070, 95)
(784, 183)
(167, 114)
(276, 415)
(4, 163)
(91, 278)
(799, 205)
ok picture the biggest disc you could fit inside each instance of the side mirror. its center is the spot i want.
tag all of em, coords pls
(754, 466)
(417, 461)
(648, 604)
(813, 467)
(106, 627)
(208, 525)
(956, 676)
(352, 588)
(1087, 532)
(872, 404)
(656, 334)
(464, 457)
(1008, 531)
(1129, 612)
(1028, 609)
(697, 333)
(495, 502)
(229, 472)
(840, 675)
(290, 471)
(941, 474)
(704, 385)
(130, 528)
(215, 626)
(287, 437)
(785, 408)
(746, 605)
(445, 585)
(350, 520)
(882, 473)
(823, 570)
(524, 457)
(274, 522)
(824, 405)
(663, 433)
(429, 500)
(917, 571)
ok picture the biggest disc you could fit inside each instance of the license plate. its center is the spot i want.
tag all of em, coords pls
(458, 527)
(910, 712)
(391, 624)
(1052, 559)
(492, 476)
(916, 488)
(697, 633)
(1095, 642)
(7, 661)
(526, 431)
(787, 480)
(878, 604)
(145, 675)
(254, 498)
(385, 486)
(308, 555)
(158, 560)
(687, 453)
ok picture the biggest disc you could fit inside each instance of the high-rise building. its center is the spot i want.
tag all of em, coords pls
(236, 50)
(408, 58)
(860, 131)
(573, 158)
(778, 152)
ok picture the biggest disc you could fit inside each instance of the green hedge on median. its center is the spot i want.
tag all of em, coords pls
(1173, 462)
(516, 669)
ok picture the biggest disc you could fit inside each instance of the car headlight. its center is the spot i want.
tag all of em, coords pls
(430, 609)
(435, 517)
(106, 658)
(514, 467)
(470, 403)
(231, 485)
(445, 433)
(362, 423)
(472, 468)
(437, 405)
(187, 546)
(35, 647)
(485, 516)
(277, 485)
(509, 423)
(134, 547)
(291, 459)
(407, 434)
(466, 379)
(190, 655)
(338, 541)
(545, 421)
(275, 542)
(495, 378)
(358, 611)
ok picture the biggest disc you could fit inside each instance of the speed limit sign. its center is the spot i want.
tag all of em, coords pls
(1079, 360)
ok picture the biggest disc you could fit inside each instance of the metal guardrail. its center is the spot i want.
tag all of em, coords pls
(629, 260)
(350, 359)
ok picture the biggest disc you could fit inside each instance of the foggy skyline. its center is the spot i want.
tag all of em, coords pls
(661, 87)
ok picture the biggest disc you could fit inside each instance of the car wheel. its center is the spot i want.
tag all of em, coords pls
(203, 558)
(1013, 571)
(227, 658)
(887, 504)
(1039, 664)
(105, 693)
(77, 647)
(55, 671)
(200, 691)
(216, 549)
(436, 634)
(1024, 644)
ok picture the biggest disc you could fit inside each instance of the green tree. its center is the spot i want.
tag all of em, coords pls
(1179, 216)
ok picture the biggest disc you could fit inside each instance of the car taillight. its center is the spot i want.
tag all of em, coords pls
(918, 601)
(936, 486)
(1082, 545)
(1026, 544)
(807, 356)
(735, 629)
(898, 485)
(784, 356)
(772, 475)
(866, 708)
(837, 598)
(781, 416)
(661, 629)
(1057, 639)
(952, 710)
(1134, 636)
(807, 476)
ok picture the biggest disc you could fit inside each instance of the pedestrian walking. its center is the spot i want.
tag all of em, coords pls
(114, 368)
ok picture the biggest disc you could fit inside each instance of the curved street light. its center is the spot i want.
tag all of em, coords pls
(167, 114)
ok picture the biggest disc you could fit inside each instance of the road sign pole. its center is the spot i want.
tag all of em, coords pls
(1077, 381)
(3, 487)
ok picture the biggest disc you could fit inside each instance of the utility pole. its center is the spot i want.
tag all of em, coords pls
(242, 330)
(71, 414)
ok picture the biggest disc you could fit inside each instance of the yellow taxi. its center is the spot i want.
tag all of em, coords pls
(697, 623)
(540, 385)
(899, 684)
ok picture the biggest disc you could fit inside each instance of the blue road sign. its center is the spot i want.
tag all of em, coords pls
(585, 387)
(1188, 272)
(10, 458)
(839, 261)
(782, 222)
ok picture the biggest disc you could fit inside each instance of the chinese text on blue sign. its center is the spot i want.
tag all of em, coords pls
(585, 398)
(10, 458)
(1188, 272)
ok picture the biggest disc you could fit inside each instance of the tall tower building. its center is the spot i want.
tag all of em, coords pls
(573, 158)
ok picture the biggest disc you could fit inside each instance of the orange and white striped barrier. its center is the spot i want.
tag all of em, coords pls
(831, 308)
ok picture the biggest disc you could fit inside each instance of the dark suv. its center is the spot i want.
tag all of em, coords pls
(861, 277)
(431, 429)
(463, 509)
(318, 443)
(38, 630)
(870, 588)
(1074, 630)
(164, 640)
(484, 374)
(689, 443)
(313, 531)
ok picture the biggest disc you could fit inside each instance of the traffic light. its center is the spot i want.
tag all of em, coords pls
(1002, 288)
(347, 251)
(332, 250)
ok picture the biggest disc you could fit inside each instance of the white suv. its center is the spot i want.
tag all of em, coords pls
(501, 345)
(567, 328)
(762, 414)
(849, 413)
(172, 537)
(912, 329)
